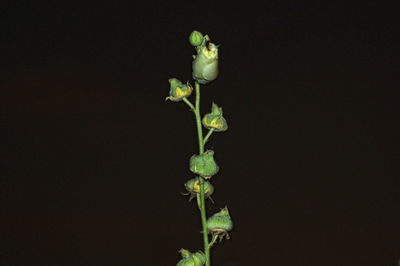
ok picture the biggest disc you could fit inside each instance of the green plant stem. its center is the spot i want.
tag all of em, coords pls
(202, 201)
(213, 241)
(208, 135)
(192, 108)
(198, 118)
(204, 223)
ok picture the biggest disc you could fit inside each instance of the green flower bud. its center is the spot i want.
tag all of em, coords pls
(178, 90)
(196, 38)
(193, 188)
(220, 223)
(215, 119)
(205, 63)
(191, 259)
(204, 164)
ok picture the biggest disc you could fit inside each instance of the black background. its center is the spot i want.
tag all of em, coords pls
(93, 160)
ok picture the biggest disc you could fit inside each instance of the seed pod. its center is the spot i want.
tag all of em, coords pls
(196, 38)
(191, 259)
(178, 90)
(193, 188)
(204, 164)
(205, 63)
(215, 119)
(220, 223)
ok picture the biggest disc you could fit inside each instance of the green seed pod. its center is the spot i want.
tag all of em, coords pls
(205, 63)
(220, 221)
(191, 259)
(204, 164)
(193, 188)
(215, 119)
(219, 224)
(196, 38)
(200, 257)
(178, 90)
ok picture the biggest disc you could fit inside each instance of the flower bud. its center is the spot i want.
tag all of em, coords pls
(193, 188)
(178, 90)
(215, 119)
(191, 259)
(204, 164)
(220, 223)
(205, 63)
(196, 38)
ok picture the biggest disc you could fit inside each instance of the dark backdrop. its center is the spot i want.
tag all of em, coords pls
(93, 160)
